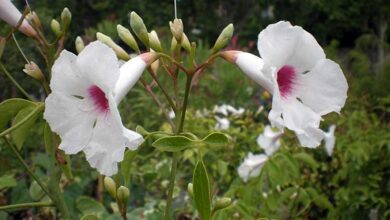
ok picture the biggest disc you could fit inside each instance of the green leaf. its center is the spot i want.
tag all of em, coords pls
(139, 129)
(7, 181)
(48, 138)
(10, 107)
(190, 135)
(202, 196)
(89, 206)
(36, 191)
(216, 139)
(89, 217)
(173, 143)
(20, 134)
(307, 159)
(126, 165)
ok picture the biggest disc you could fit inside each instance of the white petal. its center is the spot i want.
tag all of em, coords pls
(251, 166)
(283, 44)
(133, 139)
(269, 140)
(66, 118)
(324, 88)
(296, 116)
(330, 140)
(252, 66)
(109, 140)
(222, 123)
(130, 72)
(98, 63)
(66, 77)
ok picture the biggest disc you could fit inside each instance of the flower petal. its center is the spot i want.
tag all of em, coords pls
(269, 140)
(98, 63)
(130, 72)
(324, 88)
(133, 139)
(251, 166)
(252, 66)
(330, 140)
(283, 44)
(66, 77)
(67, 119)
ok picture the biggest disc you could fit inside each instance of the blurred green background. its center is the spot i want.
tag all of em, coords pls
(353, 184)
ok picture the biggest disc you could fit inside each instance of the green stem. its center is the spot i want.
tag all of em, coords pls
(19, 157)
(186, 94)
(174, 62)
(20, 123)
(171, 185)
(175, 155)
(15, 207)
(170, 101)
(19, 48)
(15, 82)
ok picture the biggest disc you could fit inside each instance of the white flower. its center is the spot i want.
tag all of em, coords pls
(222, 123)
(82, 107)
(226, 110)
(10, 14)
(305, 85)
(269, 140)
(330, 140)
(171, 114)
(251, 166)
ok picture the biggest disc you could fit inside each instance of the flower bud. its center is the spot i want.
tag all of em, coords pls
(176, 29)
(55, 27)
(34, 19)
(2, 45)
(66, 17)
(223, 38)
(154, 42)
(173, 45)
(110, 186)
(79, 43)
(126, 36)
(119, 51)
(154, 66)
(33, 70)
(139, 28)
(122, 195)
(190, 190)
(185, 43)
(222, 203)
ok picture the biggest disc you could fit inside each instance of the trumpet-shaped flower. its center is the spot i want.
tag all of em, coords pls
(222, 123)
(251, 167)
(305, 85)
(269, 140)
(82, 107)
(330, 140)
(10, 14)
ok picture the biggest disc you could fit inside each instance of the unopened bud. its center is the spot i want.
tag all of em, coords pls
(34, 19)
(119, 51)
(224, 38)
(185, 43)
(79, 43)
(126, 36)
(176, 29)
(190, 190)
(110, 186)
(230, 55)
(122, 195)
(173, 44)
(55, 27)
(33, 70)
(154, 42)
(139, 28)
(66, 17)
(222, 203)
(2, 45)
(154, 66)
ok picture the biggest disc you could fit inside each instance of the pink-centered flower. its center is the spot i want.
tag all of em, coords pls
(10, 14)
(82, 107)
(304, 83)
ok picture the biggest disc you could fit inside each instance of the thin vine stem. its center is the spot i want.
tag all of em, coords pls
(19, 48)
(15, 82)
(25, 205)
(167, 96)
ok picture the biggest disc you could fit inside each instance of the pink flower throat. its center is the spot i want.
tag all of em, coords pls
(99, 99)
(286, 77)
